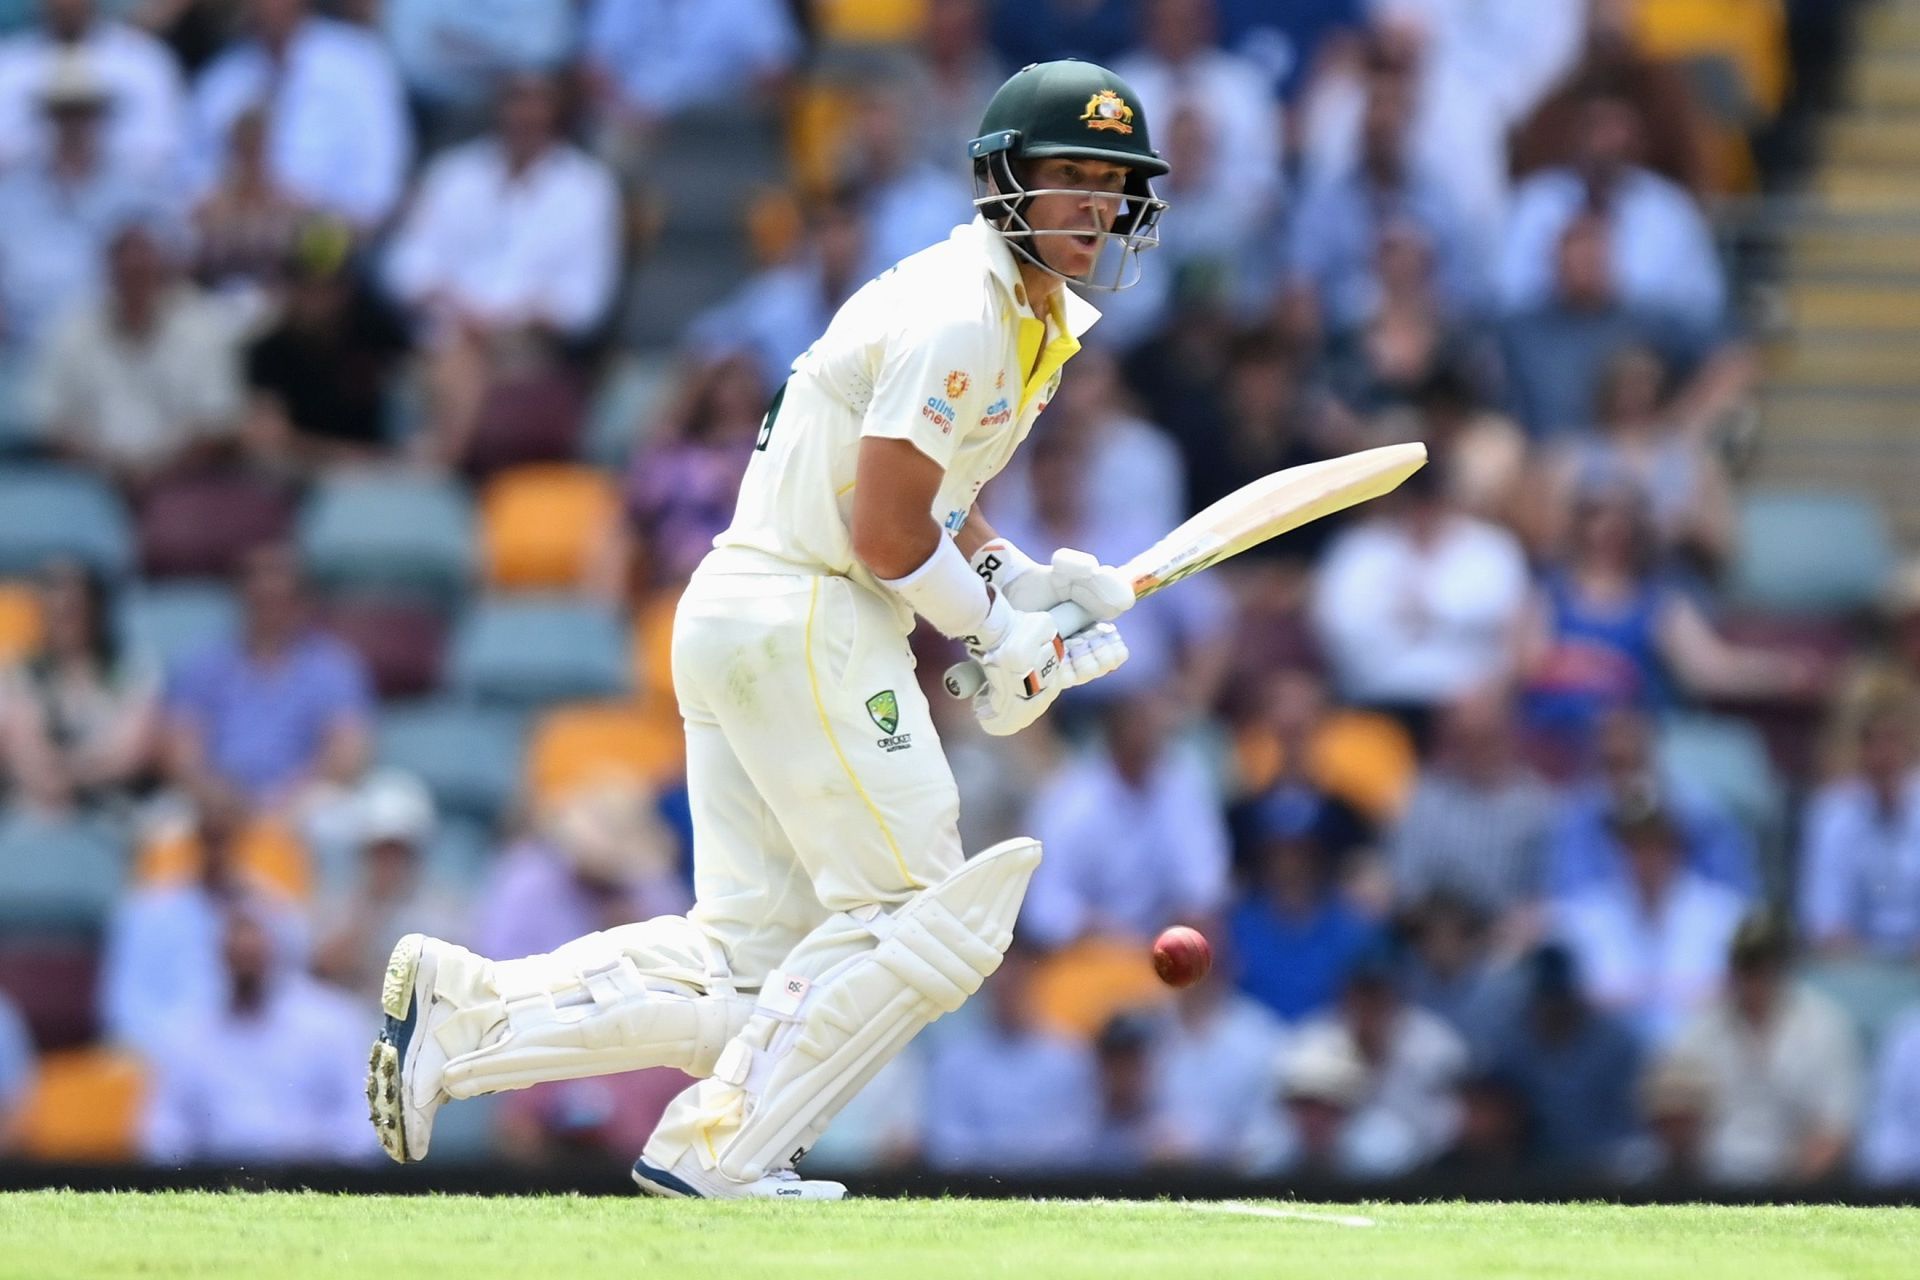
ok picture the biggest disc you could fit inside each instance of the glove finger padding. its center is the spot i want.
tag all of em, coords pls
(1095, 652)
(1102, 590)
(1024, 673)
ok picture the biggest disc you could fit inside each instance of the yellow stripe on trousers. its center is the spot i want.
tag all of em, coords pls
(826, 725)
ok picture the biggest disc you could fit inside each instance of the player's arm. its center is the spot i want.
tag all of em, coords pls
(894, 535)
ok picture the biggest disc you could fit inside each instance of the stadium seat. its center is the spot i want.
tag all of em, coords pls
(458, 855)
(524, 652)
(19, 621)
(624, 408)
(57, 873)
(1807, 552)
(402, 641)
(535, 417)
(1873, 993)
(169, 621)
(47, 512)
(51, 974)
(1078, 990)
(653, 648)
(268, 851)
(580, 744)
(469, 757)
(870, 21)
(542, 525)
(86, 1107)
(390, 529)
(1727, 759)
(199, 525)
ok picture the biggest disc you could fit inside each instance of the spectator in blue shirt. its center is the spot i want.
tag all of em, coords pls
(16, 1073)
(1576, 1065)
(278, 707)
(1584, 847)
(1297, 935)
(1558, 348)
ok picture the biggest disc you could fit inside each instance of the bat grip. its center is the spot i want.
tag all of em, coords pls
(966, 678)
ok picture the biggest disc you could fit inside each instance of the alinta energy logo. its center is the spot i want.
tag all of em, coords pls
(998, 414)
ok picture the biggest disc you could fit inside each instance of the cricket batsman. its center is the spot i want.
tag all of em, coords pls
(835, 913)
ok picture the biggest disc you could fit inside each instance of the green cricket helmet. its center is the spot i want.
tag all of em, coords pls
(1068, 108)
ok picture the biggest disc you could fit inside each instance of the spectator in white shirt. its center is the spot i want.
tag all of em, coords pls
(649, 60)
(1419, 603)
(1133, 832)
(453, 54)
(1007, 1094)
(1371, 1086)
(145, 125)
(271, 1075)
(1213, 1069)
(1459, 137)
(58, 208)
(339, 136)
(1651, 945)
(1860, 865)
(1890, 1137)
(1180, 69)
(1664, 257)
(1513, 50)
(144, 378)
(1782, 1067)
(510, 249)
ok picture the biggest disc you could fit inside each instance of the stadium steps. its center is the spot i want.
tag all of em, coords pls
(1840, 405)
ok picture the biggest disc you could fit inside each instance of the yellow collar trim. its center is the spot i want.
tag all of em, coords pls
(1038, 365)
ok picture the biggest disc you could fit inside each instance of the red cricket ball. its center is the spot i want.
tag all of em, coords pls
(1181, 956)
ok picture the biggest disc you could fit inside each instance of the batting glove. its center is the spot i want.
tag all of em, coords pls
(1102, 590)
(1023, 659)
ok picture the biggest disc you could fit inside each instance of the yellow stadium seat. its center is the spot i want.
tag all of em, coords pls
(269, 853)
(1361, 757)
(1750, 36)
(589, 742)
(870, 21)
(653, 650)
(85, 1107)
(19, 621)
(541, 524)
(1077, 990)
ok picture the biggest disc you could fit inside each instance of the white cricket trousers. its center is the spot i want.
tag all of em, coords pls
(816, 778)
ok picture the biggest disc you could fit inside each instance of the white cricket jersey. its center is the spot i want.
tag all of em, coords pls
(936, 351)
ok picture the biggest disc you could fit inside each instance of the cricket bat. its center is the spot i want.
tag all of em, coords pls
(1247, 517)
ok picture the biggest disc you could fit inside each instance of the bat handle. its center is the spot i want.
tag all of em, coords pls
(965, 678)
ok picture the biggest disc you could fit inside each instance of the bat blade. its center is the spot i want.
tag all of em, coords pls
(1259, 512)
(1272, 505)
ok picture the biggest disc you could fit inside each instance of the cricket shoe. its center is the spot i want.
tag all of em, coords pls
(687, 1181)
(404, 1072)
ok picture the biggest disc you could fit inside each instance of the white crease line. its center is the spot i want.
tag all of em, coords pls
(1237, 1208)
(1268, 1211)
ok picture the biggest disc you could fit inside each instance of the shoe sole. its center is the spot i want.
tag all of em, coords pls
(384, 1075)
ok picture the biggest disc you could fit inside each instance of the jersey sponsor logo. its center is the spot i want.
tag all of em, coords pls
(1000, 380)
(957, 384)
(1107, 110)
(939, 412)
(998, 414)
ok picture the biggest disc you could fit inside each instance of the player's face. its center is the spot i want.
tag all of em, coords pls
(1086, 200)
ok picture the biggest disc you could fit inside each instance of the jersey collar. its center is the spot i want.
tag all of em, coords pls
(1076, 312)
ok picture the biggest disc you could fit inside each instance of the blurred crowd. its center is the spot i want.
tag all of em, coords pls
(373, 374)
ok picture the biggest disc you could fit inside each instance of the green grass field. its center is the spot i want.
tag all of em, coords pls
(49, 1235)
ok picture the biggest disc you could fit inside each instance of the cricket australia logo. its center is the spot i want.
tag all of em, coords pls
(1108, 110)
(884, 707)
